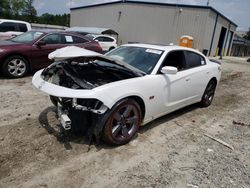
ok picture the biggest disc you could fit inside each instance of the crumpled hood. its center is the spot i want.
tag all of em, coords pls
(71, 52)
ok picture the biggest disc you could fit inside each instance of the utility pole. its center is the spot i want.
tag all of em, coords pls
(207, 2)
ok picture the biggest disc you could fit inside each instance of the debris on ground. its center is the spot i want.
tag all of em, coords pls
(219, 141)
(240, 123)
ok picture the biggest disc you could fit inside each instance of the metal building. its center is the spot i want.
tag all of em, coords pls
(164, 23)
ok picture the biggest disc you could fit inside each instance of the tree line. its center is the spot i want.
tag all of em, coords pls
(24, 10)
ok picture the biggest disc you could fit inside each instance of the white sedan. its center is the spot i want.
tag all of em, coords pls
(106, 42)
(126, 88)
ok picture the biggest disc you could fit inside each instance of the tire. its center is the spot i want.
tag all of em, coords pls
(15, 66)
(123, 122)
(54, 100)
(208, 95)
(111, 48)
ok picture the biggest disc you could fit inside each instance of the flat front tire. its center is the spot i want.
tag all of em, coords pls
(15, 67)
(123, 122)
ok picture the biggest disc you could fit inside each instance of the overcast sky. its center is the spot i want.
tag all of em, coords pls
(236, 10)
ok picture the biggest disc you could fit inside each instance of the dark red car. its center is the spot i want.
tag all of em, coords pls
(30, 50)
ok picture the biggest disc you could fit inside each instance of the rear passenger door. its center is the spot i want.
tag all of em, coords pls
(198, 74)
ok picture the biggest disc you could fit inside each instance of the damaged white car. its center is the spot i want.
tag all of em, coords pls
(114, 94)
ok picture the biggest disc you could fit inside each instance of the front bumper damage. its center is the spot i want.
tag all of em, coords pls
(88, 118)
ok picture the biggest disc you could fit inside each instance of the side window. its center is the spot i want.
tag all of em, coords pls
(22, 27)
(68, 39)
(107, 39)
(7, 26)
(53, 39)
(79, 40)
(194, 60)
(175, 59)
(99, 39)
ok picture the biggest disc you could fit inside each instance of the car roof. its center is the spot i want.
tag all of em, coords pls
(100, 35)
(162, 47)
(15, 21)
(57, 31)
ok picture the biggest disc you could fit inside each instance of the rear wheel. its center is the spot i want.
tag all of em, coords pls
(15, 67)
(208, 95)
(123, 122)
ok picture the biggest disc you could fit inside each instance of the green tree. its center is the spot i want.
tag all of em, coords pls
(24, 10)
(247, 36)
(12, 9)
(29, 12)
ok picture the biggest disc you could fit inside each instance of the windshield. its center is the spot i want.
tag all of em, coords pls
(143, 59)
(27, 37)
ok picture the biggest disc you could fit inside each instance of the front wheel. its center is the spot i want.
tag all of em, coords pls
(123, 122)
(15, 67)
(208, 95)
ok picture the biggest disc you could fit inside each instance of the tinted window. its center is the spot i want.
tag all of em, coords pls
(107, 39)
(79, 40)
(194, 59)
(104, 39)
(175, 59)
(53, 39)
(22, 27)
(7, 26)
(100, 39)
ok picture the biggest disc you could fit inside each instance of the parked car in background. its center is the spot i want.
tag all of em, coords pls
(106, 42)
(30, 50)
(127, 87)
(12, 28)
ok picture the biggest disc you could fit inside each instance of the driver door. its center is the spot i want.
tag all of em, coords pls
(174, 87)
(40, 53)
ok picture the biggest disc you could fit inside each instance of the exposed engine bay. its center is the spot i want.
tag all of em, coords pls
(86, 73)
(83, 73)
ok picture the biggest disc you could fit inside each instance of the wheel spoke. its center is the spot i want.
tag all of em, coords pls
(13, 62)
(131, 120)
(116, 129)
(117, 116)
(125, 131)
(127, 111)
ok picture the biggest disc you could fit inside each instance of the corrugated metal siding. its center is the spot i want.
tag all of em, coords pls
(151, 24)
(221, 23)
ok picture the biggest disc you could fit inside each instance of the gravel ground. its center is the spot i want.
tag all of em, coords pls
(172, 151)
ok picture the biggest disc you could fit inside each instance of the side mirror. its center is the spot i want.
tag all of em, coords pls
(169, 70)
(40, 43)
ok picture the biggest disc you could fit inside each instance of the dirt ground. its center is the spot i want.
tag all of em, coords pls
(172, 151)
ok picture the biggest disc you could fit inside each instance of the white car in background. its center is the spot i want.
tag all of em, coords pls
(106, 42)
(126, 88)
(12, 28)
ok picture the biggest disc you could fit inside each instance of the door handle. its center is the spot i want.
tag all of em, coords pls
(207, 72)
(187, 79)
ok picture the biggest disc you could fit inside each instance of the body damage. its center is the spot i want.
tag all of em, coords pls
(87, 82)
